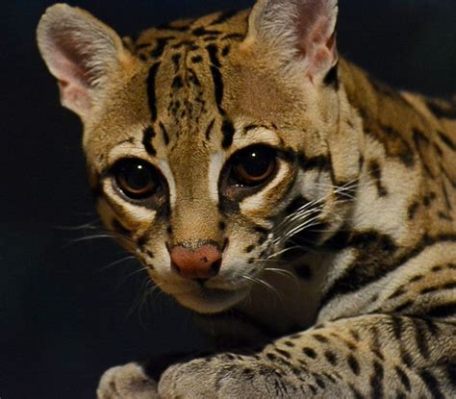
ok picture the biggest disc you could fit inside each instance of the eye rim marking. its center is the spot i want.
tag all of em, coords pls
(119, 173)
(239, 168)
(240, 193)
(236, 191)
(156, 201)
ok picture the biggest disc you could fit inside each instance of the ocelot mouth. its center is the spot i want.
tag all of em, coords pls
(211, 300)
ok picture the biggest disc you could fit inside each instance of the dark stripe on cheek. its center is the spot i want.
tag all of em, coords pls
(320, 162)
(376, 173)
(148, 136)
(151, 90)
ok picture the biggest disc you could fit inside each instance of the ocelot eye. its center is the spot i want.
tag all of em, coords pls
(253, 165)
(137, 179)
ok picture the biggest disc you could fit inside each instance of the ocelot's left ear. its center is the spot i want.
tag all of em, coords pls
(300, 34)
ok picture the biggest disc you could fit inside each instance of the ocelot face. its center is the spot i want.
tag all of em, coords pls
(207, 144)
(196, 191)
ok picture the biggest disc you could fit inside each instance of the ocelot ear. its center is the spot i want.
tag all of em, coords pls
(300, 33)
(81, 52)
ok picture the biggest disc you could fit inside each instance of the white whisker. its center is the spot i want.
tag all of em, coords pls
(263, 283)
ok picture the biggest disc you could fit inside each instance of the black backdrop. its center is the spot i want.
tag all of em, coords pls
(64, 316)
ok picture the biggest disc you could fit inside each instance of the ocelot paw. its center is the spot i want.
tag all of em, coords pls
(225, 379)
(127, 382)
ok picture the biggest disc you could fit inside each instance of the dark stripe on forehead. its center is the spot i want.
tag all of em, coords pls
(157, 52)
(227, 126)
(197, 59)
(228, 133)
(213, 51)
(177, 83)
(193, 77)
(148, 136)
(216, 76)
(191, 45)
(152, 99)
(201, 31)
(218, 87)
(164, 133)
(176, 60)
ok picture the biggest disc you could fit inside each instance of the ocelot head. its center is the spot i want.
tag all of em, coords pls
(213, 144)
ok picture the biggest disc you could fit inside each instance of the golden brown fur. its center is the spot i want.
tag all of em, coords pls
(348, 252)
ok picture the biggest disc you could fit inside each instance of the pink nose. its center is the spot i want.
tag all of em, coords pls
(201, 263)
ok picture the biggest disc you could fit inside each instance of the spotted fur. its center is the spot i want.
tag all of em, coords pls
(342, 268)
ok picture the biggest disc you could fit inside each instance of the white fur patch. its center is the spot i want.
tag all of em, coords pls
(166, 170)
(136, 213)
(215, 167)
(260, 200)
(260, 135)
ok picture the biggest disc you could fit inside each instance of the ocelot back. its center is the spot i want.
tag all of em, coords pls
(265, 181)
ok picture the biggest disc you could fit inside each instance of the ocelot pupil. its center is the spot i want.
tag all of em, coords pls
(254, 166)
(138, 178)
(257, 164)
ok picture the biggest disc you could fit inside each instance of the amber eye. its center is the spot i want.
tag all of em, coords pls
(253, 166)
(137, 179)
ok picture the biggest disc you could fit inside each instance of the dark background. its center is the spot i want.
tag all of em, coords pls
(64, 316)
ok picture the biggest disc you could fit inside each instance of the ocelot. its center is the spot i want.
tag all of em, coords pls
(305, 210)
